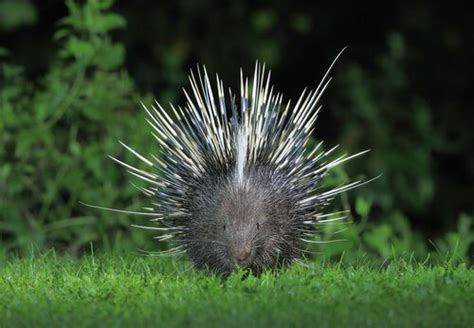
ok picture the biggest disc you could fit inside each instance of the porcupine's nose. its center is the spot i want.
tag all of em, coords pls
(242, 253)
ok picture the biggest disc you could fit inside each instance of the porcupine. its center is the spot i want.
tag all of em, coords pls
(233, 186)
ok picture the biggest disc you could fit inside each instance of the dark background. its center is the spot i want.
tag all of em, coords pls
(403, 88)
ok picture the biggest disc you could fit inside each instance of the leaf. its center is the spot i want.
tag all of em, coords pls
(78, 48)
(107, 22)
(110, 57)
(362, 206)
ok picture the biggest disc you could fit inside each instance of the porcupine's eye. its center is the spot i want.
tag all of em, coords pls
(258, 226)
(223, 227)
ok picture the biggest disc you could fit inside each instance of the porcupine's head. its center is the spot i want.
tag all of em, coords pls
(250, 220)
(233, 185)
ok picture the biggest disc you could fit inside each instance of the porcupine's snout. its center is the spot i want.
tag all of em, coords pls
(241, 249)
(242, 253)
(241, 210)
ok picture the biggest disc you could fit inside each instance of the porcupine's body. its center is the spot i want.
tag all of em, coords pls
(233, 185)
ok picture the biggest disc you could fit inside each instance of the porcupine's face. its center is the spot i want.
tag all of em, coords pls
(253, 225)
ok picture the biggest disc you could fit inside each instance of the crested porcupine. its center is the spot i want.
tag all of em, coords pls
(233, 185)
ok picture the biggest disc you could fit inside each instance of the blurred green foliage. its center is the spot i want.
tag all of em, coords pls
(392, 239)
(56, 128)
(56, 132)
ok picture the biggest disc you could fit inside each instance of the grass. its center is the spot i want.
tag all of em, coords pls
(116, 291)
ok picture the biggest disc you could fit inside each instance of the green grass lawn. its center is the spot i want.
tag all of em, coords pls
(162, 292)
